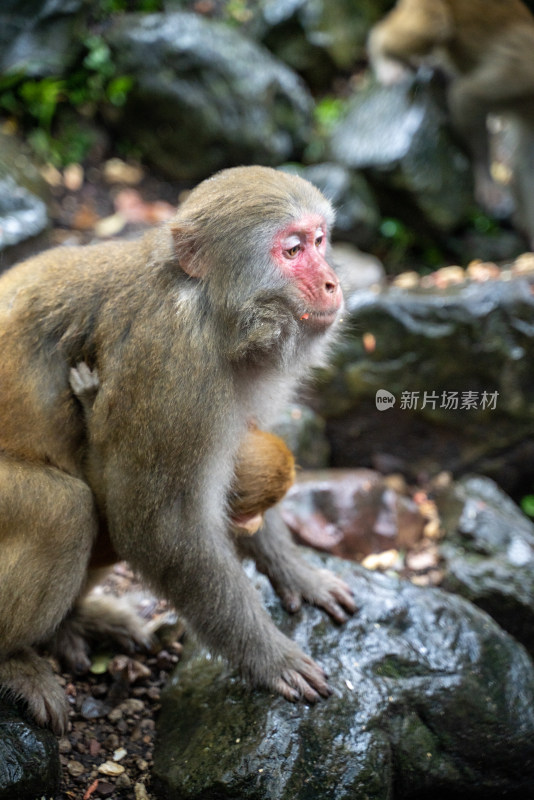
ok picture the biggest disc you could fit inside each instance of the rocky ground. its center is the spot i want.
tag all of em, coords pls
(108, 750)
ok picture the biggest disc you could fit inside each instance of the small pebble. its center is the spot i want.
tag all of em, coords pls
(64, 745)
(119, 754)
(93, 708)
(104, 789)
(75, 768)
(111, 768)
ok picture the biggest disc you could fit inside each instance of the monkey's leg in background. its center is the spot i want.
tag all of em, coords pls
(47, 527)
(496, 87)
(95, 618)
(292, 578)
(523, 177)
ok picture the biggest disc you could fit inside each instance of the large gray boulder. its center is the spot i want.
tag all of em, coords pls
(23, 208)
(400, 137)
(204, 96)
(488, 553)
(431, 699)
(39, 38)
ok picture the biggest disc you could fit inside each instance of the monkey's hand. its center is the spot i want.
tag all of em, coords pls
(84, 382)
(295, 580)
(320, 587)
(293, 674)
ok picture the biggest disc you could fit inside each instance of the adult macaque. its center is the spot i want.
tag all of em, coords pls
(196, 331)
(486, 47)
(264, 470)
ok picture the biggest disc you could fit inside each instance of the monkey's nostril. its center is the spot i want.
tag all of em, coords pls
(330, 287)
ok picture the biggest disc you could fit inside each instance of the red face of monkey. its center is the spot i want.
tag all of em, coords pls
(299, 251)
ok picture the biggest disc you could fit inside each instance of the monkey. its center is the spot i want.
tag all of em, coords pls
(206, 324)
(485, 48)
(264, 469)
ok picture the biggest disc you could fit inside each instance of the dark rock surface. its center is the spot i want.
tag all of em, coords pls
(29, 757)
(399, 136)
(489, 553)
(456, 362)
(39, 37)
(431, 698)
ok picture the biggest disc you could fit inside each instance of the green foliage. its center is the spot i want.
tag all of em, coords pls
(527, 504)
(237, 11)
(484, 224)
(41, 98)
(106, 8)
(38, 104)
(326, 113)
(37, 98)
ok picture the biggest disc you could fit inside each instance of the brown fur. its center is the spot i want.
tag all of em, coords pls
(486, 46)
(264, 471)
(195, 331)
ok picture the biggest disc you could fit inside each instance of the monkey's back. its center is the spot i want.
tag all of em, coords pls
(49, 307)
(482, 24)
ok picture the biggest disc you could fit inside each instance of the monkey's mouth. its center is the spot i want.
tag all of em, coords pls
(319, 319)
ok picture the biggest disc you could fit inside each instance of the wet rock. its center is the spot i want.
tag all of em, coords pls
(398, 135)
(431, 698)
(350, 513)
(22, 214)
(455, 365)
(29, 757)
(489, 553)
(356, 270)
(23, 210)
(197, 104)
(39, 38)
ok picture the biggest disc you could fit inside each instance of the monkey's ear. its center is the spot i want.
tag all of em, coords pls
(187, 251)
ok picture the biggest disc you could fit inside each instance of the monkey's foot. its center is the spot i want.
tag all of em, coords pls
(28, 677)
(299, 678)
(95, 618)
(319, 587)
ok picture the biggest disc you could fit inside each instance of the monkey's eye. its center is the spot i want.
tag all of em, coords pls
(292, 252)
(319, 240)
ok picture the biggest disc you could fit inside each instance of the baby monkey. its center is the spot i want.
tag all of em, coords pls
(264, 469)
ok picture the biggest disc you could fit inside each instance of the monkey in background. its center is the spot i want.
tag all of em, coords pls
(197, 330)
(486, 48)
(264, 470)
